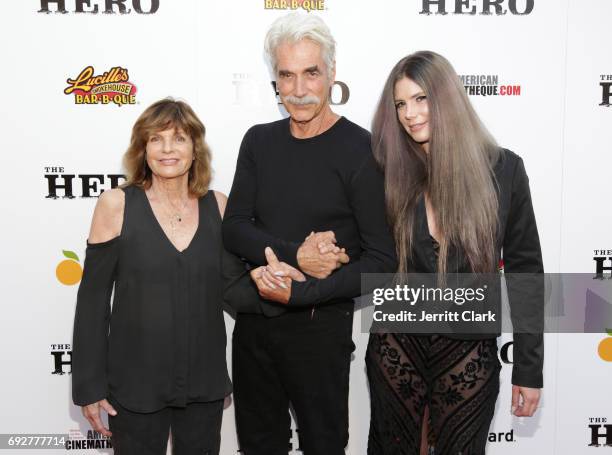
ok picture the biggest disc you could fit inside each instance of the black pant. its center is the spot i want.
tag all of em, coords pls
(302, 358)
(196, 429)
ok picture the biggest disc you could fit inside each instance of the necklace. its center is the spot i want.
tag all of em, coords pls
(177, 215)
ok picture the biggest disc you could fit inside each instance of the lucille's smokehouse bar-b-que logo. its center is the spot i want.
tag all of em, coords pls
(111, 87)
(307, 5)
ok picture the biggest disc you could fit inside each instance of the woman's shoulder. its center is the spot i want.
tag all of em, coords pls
(112, 200)
(221, 201)
(510, 156)
(507, 163)
(510, 174)
(108, 216)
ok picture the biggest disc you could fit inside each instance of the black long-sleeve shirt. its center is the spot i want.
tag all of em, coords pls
(285, 187)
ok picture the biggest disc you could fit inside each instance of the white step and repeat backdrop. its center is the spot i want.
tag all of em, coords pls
(546, 95)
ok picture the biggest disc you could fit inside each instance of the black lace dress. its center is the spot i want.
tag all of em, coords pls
(457, 379)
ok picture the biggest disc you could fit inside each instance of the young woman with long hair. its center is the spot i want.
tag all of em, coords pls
(455, 201)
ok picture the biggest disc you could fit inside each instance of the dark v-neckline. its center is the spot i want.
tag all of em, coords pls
(427, 230)
(161, 229)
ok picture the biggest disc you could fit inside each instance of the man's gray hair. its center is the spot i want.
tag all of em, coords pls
(294, 27)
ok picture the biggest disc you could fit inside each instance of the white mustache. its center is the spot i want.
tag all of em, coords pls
(308, 99)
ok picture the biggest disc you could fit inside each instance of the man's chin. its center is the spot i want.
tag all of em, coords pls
(303, 114)
(301, 122)
(301, 118)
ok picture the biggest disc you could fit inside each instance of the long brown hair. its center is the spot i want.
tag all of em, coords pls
(160, 116)
(457, 173)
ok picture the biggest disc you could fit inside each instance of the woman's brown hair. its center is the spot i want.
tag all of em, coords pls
(457, 173)
(160, 116)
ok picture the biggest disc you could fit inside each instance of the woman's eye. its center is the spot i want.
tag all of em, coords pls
(399, 104)
(421, 98)
(153, 139)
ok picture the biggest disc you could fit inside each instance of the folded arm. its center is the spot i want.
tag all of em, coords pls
(367, 199)
(240, 234)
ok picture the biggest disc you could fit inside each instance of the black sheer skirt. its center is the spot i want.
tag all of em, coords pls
(457, 380)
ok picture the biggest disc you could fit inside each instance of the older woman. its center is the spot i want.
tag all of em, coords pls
(157, 360)
(455, 201)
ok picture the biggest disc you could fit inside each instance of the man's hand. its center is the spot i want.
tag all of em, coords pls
(524, 401)
(92, 414)
(274, 280)
(319, 256)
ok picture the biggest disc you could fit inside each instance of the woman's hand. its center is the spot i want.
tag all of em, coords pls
(92, 414)
(274, 280)
(524, 401)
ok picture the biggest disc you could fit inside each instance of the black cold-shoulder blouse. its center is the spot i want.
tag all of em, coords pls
(163, 342)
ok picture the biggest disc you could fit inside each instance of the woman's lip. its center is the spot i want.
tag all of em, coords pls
(417, 126)
(169, 161)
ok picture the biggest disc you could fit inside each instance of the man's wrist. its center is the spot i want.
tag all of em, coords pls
(299, 256)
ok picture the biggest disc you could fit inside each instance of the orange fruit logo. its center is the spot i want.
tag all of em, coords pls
(605, 347)
(69, 271)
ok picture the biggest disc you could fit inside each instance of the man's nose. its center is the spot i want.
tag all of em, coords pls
(300, 87)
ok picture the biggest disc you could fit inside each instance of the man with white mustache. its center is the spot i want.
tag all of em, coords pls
(307, 211)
